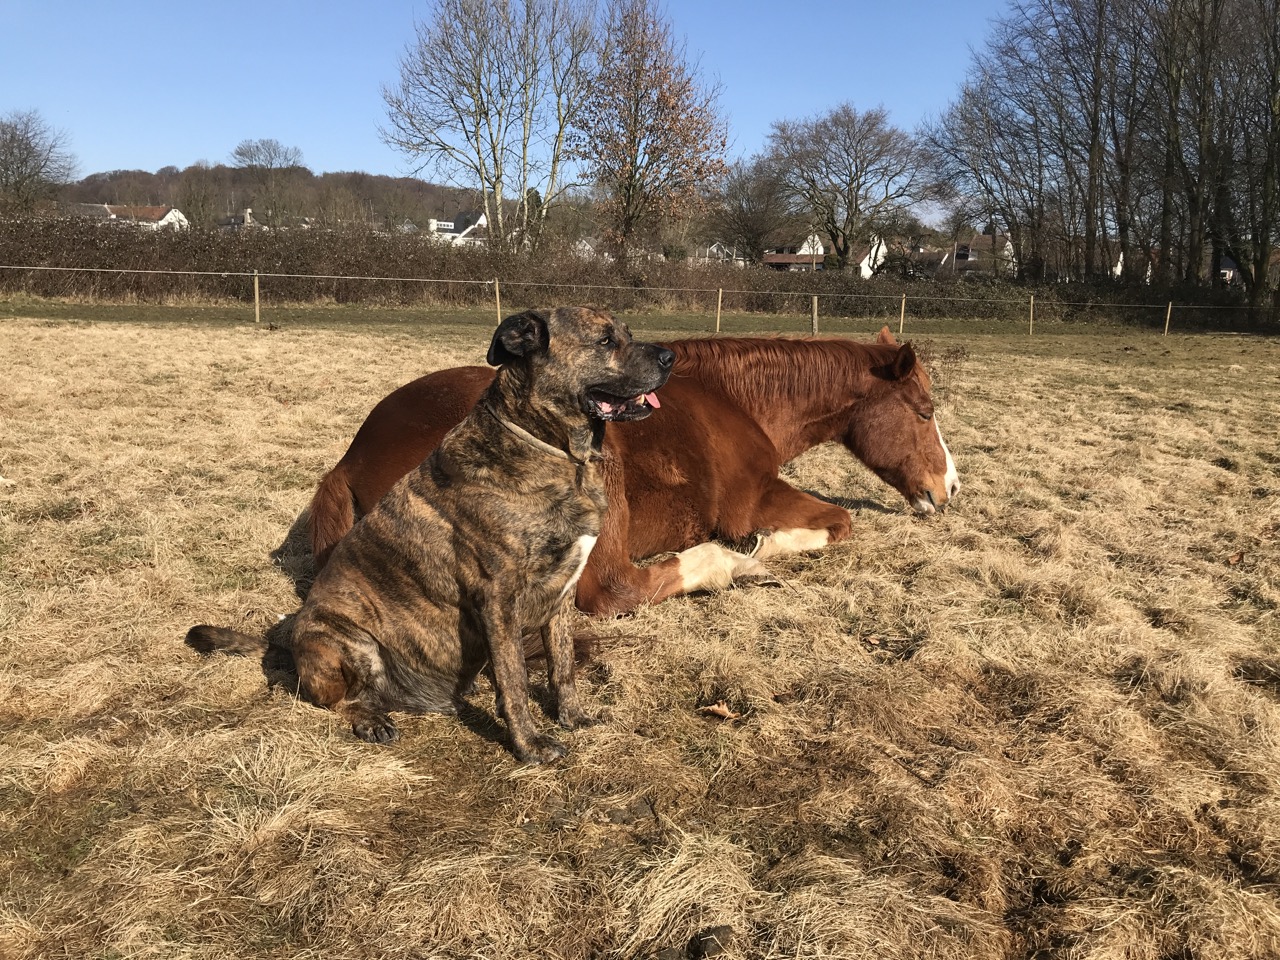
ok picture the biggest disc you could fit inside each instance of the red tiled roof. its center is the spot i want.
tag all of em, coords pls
(154, 214)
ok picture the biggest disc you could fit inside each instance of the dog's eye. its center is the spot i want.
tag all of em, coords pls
(606, 341)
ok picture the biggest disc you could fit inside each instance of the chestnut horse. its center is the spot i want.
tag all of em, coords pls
(704, 465)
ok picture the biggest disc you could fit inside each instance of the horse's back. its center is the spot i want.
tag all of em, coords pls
(406, 425)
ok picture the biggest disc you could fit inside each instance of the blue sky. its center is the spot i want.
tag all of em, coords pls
(139, 84)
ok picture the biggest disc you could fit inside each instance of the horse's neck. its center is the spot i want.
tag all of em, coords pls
(771, 388)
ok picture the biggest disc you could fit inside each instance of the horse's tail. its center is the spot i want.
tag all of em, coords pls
(207, 639)
(332, 514)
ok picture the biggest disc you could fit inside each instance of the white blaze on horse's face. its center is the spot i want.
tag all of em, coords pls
(953, 476)
(924, 503)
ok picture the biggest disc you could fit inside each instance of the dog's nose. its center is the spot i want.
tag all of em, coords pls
(666, 358)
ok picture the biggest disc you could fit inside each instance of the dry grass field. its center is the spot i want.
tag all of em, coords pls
(1043, 725)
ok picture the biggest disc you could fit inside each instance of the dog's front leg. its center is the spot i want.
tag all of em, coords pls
(511, 680)
(557, 640)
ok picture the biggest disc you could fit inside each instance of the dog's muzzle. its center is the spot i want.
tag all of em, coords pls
(607, 406)
(628, 402)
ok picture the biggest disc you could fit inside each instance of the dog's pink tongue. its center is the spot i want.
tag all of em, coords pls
(652, 400)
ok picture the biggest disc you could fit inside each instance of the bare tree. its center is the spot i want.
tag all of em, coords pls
(487, 95)
(1248, 217)
(34, 160)
(1066, 42)
(1129, 100)
(271, 163)
(751, 209)
(849, 171)
(651, 135)
(198, 192)
(1047, 134)
(993, 150)
(1135, 131)
(1190, 53)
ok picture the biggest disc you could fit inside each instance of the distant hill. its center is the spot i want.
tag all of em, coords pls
(207, 194)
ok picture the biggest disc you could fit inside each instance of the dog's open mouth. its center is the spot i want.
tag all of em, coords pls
(607, 406)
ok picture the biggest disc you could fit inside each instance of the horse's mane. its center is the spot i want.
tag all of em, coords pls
(760, 369)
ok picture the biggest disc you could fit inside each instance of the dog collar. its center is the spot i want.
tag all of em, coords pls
(533, 441)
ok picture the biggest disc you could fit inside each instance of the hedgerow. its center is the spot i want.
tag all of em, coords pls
(116, 262)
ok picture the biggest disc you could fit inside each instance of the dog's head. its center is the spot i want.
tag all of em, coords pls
(586, 357)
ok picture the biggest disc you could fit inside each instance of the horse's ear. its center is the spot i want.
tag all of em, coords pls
(904, 362)
(518, 336)
(886, 336)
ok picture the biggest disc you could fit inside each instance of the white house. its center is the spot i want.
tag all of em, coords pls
(447, 231)
(797, 257)
(872, 257)
(590, 249)
(145, 218)
(985, 253)
(718, 252)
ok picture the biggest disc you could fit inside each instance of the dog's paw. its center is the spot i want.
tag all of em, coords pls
(376, 729)
(577, 719)
(541, 749)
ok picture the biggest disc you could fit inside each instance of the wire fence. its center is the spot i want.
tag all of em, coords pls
(819, 307)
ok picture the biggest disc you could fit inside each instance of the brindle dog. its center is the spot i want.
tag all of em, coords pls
(478, 547)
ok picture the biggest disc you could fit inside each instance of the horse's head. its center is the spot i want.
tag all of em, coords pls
(896, 433)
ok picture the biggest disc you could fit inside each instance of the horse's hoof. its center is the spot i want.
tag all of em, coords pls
(757, 580)
(749, 545)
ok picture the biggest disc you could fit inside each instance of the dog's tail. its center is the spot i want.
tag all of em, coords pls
(207, 639)
(332, 514)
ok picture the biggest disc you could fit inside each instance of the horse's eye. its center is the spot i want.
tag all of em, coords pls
(927, 416)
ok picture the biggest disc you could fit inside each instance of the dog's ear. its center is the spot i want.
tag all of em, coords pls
(518, 336)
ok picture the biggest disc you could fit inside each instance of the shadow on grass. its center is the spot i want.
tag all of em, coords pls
(294, 557)
(852, 505)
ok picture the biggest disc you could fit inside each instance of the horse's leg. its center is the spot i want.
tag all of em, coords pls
(792, 521)
(612, 584)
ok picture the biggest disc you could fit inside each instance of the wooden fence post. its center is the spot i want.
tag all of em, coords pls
(1031, 321)
(257, 307)
(815, 316)
(902, 315)
(719, 299)
(1167, 314)
(497, 299)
